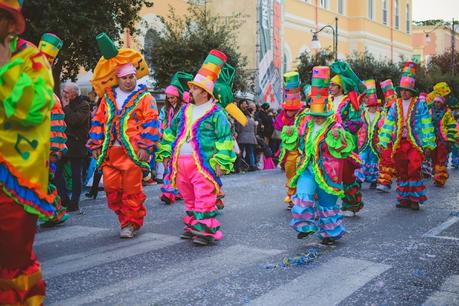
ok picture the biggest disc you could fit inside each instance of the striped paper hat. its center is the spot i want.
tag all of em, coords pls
(292, 91)
(387, 88)
(50, 45)
(319, 92)
(210, 69)
(371, 93)
(407, 81)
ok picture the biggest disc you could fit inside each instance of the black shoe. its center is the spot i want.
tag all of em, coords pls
(73, 207)
(414, 205)
(403, 204)
(166, 200)
(373, 185)
(186, 235)
(303, 235)
(202, 241)
(91, 194)
(328, 241)
(159, 181)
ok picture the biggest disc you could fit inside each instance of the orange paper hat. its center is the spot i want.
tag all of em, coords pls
(105, 72)
(14, 7)
(292, 91)
(210, 69)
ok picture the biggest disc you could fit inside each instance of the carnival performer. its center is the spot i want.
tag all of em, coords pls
(26, 98)
(292, 106)
(386, 165)
(445, 132)
(408, 126)
(199, 146)
(174, 101)
(344, 87)
(368, 137)
(318, 180)
(50, 45)
(124, 132)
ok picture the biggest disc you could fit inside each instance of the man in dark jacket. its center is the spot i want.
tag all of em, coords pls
(77, 117)
(267, 122)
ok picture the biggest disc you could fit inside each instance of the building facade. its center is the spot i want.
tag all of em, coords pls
(383, 27)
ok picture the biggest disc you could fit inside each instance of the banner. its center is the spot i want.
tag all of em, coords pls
(269, 57)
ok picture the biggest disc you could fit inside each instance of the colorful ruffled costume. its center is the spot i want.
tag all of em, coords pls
(289, 148)
(410, 134)
(26, 98)
(368, 138)
(318, 180)
(120, 132)
(445, 132)
(198, 139)
(177, 87)
(348, 114)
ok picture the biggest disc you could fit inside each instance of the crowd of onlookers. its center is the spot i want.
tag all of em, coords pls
(257, 145)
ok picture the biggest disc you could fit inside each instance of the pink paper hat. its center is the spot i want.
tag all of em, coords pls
(124, 70)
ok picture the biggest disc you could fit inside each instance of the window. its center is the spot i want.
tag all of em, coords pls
(324, 3)
(341, 7)
(396, 15)
(370, 9)
(408, 19)
(384, 12)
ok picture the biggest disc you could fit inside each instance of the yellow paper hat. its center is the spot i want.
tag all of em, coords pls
(104, 74)
(50, 45)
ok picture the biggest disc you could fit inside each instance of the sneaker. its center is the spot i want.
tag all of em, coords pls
(382, 188)
(303, 235)
(414, 205)
(328, 241)
(186, 235)
(128, 231)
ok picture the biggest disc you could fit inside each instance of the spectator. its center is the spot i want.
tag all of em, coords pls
(246, 140)
(267, 123)
(77, 117)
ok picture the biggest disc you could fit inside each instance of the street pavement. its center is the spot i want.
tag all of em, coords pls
(389, 256)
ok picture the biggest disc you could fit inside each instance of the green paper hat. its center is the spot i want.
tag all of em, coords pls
(106, 46)
(223, 87)
(350, 80)
(180, 81)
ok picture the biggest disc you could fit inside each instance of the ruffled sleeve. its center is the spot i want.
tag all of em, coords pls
(96, 133)
(341, 147)
(58, 127)
(289, 142)
(149, 135)
(169, 136)
(224, 145)
(26, 88)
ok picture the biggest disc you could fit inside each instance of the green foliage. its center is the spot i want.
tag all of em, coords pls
(187, 40)
(308, 61)
(77, 23)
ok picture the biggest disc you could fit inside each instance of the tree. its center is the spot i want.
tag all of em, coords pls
(187, 40)
(308, 61)
(77, 23)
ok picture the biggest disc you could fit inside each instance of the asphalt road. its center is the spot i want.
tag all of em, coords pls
(389, 256)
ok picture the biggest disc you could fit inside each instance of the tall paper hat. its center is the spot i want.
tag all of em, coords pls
(292, 91)
(371, 93)
(387, 88)
(223, 91)
(112, 57)
(210, 69)
(50, 45)
(319, 92)
(407, 81)
(14, 7)
(180, 81)
(439, 90)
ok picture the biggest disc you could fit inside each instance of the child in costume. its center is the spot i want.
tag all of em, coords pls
(344, 87)
(368, 137)
(124, 132)
(408, 126)
(174, 101)
(50, 46)
(292, 106)
(445, 132)
(199, 146)
(318, 180)
(26, 98)
(386, 162)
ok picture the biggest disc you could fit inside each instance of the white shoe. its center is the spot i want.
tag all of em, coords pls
(383, 188)
(128, 232)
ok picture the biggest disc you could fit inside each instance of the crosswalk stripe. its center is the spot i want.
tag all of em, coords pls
(159, 285)
(66, 233)
(339, 277)
(102, 255)
(447, 295)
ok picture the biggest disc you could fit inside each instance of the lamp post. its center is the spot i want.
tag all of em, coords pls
(315, 43)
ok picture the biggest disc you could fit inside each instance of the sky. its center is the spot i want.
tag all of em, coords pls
(435, 9)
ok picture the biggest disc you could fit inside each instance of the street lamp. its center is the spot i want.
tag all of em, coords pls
(315, 43)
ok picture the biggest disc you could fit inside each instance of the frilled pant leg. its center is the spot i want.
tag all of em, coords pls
(408, 162)
(303, 211)
(200, 200)
(123, 185)
(386, 167)
(21, 282)
(290, 170)
(352, 200)
(439, 161)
